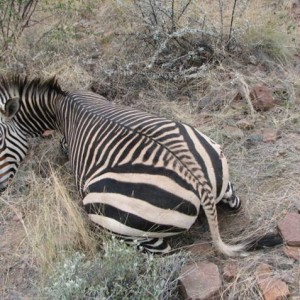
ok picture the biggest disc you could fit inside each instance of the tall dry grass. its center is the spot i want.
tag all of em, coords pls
(55, 223)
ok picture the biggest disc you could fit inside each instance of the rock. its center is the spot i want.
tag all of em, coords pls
(201, 249)
(263, 270)
(271, 288)
(201, 281)
(292, 252)
(289, 228)
(230, 271)
(262, 98)
(271, 135)
(245, 124)
(233, 132)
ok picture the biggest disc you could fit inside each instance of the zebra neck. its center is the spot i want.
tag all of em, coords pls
(38, 113)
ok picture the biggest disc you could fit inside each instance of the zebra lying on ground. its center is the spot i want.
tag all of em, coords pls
(141, 177)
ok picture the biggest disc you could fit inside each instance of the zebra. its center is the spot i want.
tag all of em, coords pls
(140, 176)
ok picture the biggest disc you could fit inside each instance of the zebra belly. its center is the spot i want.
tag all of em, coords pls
(140, 209)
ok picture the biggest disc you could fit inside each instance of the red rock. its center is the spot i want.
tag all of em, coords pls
(271, 288)
(230, 271)
(233, 132)
(263, 270)
(271, 135)
(201, 281)
(262, 98)
(292, 252)
(289, 228)
(201, 249)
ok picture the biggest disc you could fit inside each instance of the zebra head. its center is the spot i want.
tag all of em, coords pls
(13, 142)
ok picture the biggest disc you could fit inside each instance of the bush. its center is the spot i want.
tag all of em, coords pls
(120, 273)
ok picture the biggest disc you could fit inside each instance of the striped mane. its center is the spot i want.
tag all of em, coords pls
(11, 84)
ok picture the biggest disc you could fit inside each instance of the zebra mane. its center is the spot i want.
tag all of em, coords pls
(18, 83)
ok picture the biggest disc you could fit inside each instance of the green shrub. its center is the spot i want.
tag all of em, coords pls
(118, 273)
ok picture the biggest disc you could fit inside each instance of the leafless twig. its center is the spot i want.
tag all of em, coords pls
(14, 18)
(231, 21)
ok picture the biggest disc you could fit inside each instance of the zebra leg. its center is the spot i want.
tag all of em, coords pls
(230, 198)
(151, 245)
(209, 206)
(64, 146)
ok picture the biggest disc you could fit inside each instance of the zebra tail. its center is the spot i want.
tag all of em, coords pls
(209, 206)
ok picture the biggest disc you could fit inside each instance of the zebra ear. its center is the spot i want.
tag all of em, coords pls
(11, 108)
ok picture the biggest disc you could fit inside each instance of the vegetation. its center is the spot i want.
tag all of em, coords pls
(193, 61)
(118, 274)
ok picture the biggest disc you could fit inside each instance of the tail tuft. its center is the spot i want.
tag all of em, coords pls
(232, 250)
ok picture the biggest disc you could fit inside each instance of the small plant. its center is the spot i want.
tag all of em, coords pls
(120, 273)
(270, 41)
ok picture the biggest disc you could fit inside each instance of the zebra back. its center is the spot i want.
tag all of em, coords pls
(129, 136)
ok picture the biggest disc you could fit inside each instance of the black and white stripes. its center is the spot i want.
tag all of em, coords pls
(141, 177)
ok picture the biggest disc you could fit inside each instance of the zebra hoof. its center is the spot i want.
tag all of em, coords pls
(233, 204)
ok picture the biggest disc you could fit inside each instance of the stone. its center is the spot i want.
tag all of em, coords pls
(201, 249)
(271, 135)
(233, 132)
(230, 271)
(270, 287)
(292, 252)
(289, 228)
(262, 98)
(263, 270)
(200, 281)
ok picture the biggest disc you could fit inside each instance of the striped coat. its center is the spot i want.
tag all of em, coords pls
(140, 176)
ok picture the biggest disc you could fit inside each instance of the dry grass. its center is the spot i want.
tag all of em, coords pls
(93, 49)
(41, 212)
(55, 223)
